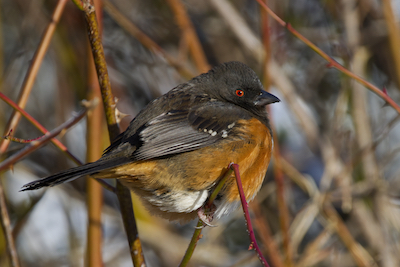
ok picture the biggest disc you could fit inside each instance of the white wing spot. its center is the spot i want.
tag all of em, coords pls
(214, 133)
(210, 131)
(224, 134)
(230, 126)
(205, 130)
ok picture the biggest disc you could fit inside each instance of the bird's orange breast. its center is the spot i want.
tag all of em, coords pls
(253, 156)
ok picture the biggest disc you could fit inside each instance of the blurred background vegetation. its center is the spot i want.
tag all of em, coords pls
(337, 142)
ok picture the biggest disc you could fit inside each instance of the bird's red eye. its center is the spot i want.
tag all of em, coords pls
(239, 93)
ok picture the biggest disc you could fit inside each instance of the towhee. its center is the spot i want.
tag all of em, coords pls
(178, 147)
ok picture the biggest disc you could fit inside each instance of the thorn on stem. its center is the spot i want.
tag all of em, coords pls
(20, 140)
(8, 136)
(384, 90)
(119, 115)
(251, 246)
(329, 65)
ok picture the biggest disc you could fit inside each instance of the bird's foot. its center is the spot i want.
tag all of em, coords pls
(206, 214)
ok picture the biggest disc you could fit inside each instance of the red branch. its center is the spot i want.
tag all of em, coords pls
(253, 241)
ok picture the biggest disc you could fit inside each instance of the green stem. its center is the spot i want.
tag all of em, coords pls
(196, 235)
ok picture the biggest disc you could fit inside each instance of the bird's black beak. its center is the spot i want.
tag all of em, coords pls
(265, 98)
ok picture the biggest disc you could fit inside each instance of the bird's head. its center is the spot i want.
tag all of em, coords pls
(236, 83)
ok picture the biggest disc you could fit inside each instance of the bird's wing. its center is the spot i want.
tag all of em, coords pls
(180, 131)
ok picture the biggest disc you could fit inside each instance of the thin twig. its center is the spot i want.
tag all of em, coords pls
(33, 71)
(7, 231)
(314, 252)
(282, 206)
(55, 141)
(42, 141)
(253, 241)
(266, 40)
(186, 26)
(144, 39)
(331, 62)
(371, 170)
(266, 236)
(25, 114)
(360, 255)
(239, 27)
(12, 138)
(393, 34)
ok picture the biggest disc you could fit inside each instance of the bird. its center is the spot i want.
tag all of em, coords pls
(179, 146)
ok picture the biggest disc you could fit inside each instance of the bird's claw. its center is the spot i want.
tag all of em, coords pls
(206, 214)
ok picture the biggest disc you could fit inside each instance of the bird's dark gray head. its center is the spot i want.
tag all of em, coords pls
(235, 82)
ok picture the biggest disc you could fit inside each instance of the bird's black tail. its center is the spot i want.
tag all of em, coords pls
(74, 173)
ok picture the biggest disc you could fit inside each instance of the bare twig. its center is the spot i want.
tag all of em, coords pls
(313, 252)
(42, 141)
(55, 141)
(370, 166)
(33, 71)
(265, 234)
(123, 193)
(302, 222)
(7, 231)
(144, 39)
(12, 138)
(360, 255)
(394, 35)
(186, 26)
(25, 114)
(266, 40)
(239, 27)
(332, 63)
(283, 209)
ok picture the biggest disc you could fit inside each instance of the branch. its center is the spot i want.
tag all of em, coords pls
(94, 192)
(7, 231)
(123, 193)
(188, 31)
(33, 71)
(32, 120)
(46, 138)
(253, 241)
(282, 207)
(331, 62)
(144, 39)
